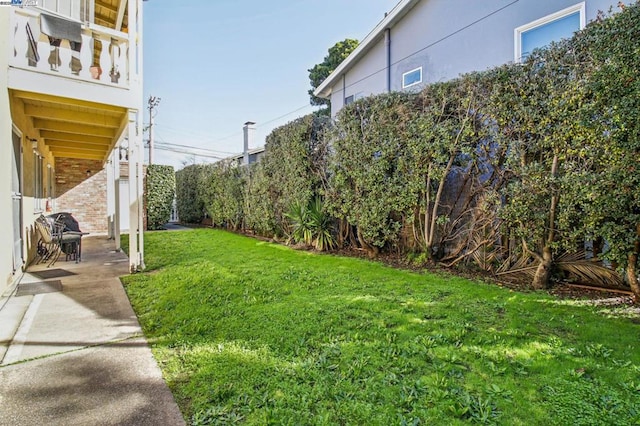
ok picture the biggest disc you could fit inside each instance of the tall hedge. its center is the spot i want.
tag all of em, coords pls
(517, 170)
(367, 188)
(189, 196)
(294, 165)
(223, 191)
(292, 171)
(610, 51)
(160, 193)
(258, 211)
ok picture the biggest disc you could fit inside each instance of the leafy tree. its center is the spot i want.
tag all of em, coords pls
(321, 71)
(292, 171)
(444, 162)
(534, 108)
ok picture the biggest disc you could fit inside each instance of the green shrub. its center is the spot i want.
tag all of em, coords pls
(160, 192)
(190, 201)
(311, 225)
(222, 189)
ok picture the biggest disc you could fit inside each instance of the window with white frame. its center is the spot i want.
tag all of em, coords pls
(411, 78)
(543, 31)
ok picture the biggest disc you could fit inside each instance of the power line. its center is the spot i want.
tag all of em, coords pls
(195, 154)
(213, 151)
(199, 134)
(430, 45)
(192, 151)
(284, 115)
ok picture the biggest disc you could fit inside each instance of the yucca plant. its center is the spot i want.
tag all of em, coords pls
(300, 224)
(311, 225)
(321, 226)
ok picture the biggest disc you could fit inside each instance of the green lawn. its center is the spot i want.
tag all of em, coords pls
(248, 331)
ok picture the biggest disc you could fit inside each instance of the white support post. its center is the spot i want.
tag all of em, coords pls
(140, 183)
(111, 213)
(136, 154)
(134, 145)
(120, 15)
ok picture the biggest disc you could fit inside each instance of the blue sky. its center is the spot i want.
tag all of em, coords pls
(216, 64)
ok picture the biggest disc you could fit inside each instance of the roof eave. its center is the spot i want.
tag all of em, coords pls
(397, 13)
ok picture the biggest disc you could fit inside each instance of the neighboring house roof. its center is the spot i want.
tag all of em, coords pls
(390, 19)
(250, 152)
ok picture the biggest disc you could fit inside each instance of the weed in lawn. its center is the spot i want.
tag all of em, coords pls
(597, 350)
(498, 392)
(474, 408)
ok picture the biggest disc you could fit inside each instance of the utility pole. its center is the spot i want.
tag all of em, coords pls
(153, 104)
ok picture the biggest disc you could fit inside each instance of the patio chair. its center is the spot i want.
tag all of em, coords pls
(53, 240)
(46, 242)
(70, 230)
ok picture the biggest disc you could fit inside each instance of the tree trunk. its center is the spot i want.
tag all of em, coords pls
(543, 272)
(343, 232)
(632, 277)
(431, 215)
(632, 271)
(427, 206)
(372, 251)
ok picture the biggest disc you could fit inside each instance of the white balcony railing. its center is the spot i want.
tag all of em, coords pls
(102, 56)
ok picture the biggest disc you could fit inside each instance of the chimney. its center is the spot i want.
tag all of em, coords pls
(249, 129)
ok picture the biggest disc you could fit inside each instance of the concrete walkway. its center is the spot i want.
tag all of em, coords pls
(73, 352)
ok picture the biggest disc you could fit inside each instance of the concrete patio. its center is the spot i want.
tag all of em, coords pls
(72, 350)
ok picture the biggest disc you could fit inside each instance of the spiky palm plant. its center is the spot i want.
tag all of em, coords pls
(311, 225)
(301, 229)
(321, 226)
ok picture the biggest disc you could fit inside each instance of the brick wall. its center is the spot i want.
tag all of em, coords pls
(81, 189)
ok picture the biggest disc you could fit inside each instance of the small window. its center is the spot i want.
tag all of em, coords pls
(412, 78)
(542, 32)
(348, 100)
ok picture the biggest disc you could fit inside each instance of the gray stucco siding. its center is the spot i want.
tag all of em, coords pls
(480, 43)
(448, 38)
(367, 77)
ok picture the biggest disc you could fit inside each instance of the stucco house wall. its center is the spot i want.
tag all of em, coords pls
(367, 77)
(446, 38)
(6, 226)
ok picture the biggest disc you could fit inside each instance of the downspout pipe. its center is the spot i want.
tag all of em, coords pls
(387, 43)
